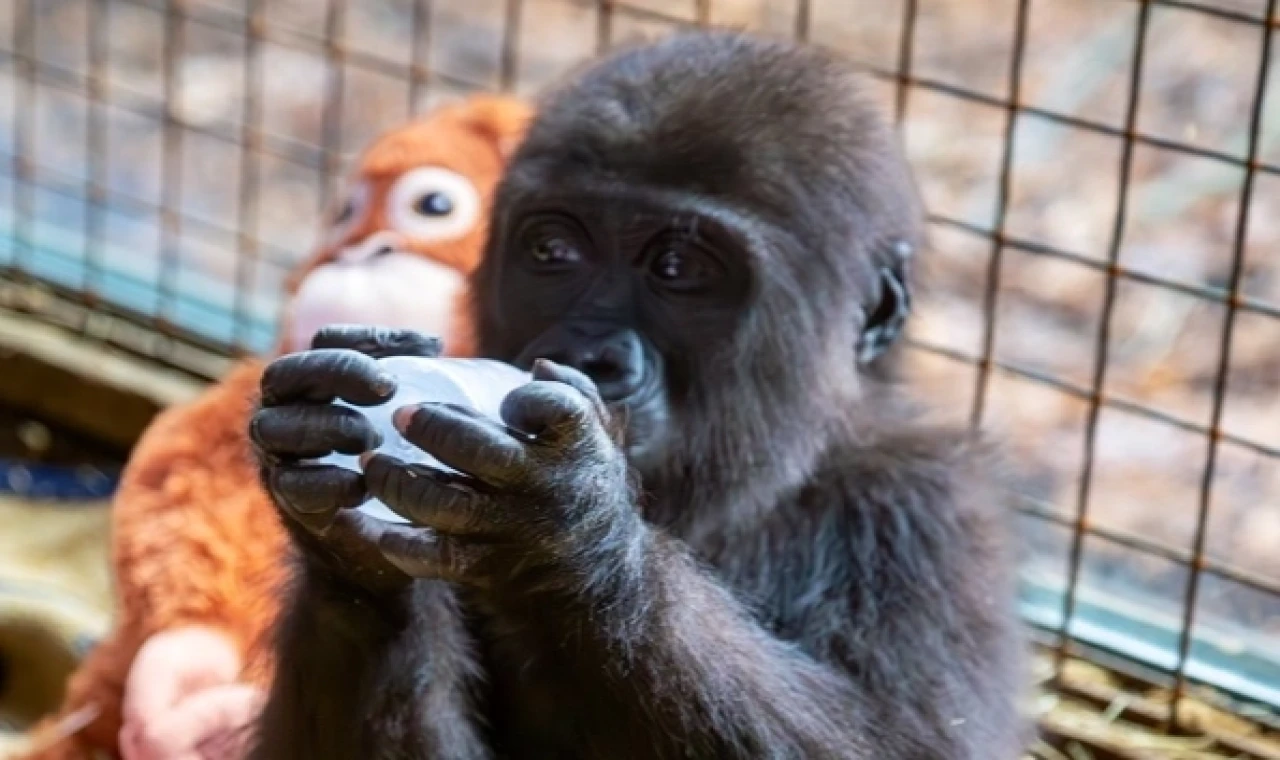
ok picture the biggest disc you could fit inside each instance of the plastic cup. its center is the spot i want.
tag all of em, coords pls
(481, 384)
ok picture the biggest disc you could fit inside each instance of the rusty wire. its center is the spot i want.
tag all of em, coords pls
(325, 157)
(1102, 342)
(1215, 435)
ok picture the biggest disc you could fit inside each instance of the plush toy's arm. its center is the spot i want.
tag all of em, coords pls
(90, 718)
(196, 540)
(184, 693)
(195, 543)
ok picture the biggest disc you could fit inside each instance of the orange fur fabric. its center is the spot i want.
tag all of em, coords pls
(195, 542)
(198, 550)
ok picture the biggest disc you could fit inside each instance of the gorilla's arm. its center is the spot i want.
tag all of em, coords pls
(369, 662)
(543, 524)
(371, 676)
(884, 574)
(661, 655)
(863, 648)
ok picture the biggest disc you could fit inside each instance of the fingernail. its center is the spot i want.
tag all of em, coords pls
(385, 385)
(400, 418)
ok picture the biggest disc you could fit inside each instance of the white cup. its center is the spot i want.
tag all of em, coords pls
(481, 384)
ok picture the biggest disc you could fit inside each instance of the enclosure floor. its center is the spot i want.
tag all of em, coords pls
(55, 586)
(1094, 714)
(54, 565)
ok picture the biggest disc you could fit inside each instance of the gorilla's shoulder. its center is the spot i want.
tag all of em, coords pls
(894, 462)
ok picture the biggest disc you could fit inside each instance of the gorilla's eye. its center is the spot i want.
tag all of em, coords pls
(552, 251)
(670, 266)
(682, 267)
(434, 204)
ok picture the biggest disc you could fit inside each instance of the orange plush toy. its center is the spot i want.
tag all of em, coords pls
(198, 551)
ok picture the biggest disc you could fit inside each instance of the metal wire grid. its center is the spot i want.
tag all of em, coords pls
(326, 159)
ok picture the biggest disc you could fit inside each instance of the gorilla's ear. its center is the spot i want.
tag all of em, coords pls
(883, 323)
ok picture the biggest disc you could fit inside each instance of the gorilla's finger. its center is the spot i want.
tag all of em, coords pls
(545, 369)
(553, 411)
(464, 439)
(378, 342)
(355, 528)
(355, 536)
(426, 496)
(324, 374)
(351, 538)
(319, 523)
(426, 554)
(312, 431)
(316, 489)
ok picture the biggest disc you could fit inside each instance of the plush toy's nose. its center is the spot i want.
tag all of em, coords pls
(378, 244)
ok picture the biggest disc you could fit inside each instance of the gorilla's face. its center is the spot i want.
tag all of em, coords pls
(638, 294)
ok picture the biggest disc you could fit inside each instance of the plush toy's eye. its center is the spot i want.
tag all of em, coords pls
(346, 212)
(432, 203)
(435, 204)
(350, 211)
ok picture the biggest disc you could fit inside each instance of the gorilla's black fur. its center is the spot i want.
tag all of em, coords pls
(738, 541)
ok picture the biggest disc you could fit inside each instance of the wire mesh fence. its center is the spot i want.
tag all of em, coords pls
(1103, 182)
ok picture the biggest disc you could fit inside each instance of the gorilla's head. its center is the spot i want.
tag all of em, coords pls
(723, 260)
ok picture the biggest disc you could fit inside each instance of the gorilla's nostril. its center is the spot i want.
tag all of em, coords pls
(602, 370)
(615, 380)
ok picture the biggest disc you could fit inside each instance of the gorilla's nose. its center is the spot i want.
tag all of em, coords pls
(614, 359)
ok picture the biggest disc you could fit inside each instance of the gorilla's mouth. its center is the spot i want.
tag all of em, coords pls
(626, 370)
(642, 418)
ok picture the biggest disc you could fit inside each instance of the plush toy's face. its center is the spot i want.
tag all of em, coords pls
(409, 227)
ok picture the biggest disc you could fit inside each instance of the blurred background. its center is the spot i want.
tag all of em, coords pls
(1104, 277)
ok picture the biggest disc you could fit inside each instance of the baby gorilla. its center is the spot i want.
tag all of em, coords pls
(709, 527)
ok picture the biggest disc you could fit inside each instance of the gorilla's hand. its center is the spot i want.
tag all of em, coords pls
(296, 421)
(546, 492)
